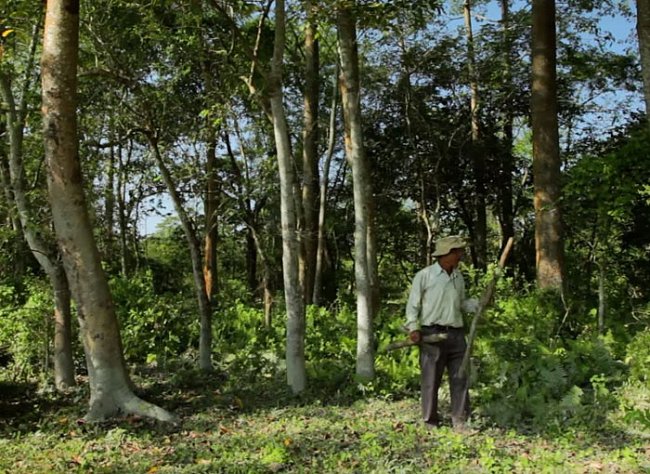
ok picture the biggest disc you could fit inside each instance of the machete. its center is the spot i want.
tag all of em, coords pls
(428, 339)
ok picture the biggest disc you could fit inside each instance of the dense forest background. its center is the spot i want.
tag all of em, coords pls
(260, 181)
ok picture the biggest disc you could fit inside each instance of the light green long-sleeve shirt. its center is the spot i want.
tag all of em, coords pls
(436, 298)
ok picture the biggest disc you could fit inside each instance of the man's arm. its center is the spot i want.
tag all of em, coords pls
(414, 304)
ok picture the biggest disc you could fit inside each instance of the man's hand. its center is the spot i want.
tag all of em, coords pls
(415, 336)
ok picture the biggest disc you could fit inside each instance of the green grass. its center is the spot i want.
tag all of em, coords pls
(235, 427)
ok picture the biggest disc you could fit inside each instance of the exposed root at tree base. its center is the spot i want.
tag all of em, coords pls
(104, 409)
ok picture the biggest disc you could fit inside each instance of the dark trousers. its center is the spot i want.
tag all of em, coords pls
(433, 360)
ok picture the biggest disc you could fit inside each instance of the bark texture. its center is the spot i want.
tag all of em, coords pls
(293, 293)
(546, 150)
(110, 387)
(365, 263)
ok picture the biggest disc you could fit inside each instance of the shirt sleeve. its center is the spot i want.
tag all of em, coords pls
(414, 304)
(469, 305)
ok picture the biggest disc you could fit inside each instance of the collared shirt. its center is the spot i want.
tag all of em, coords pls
(436, 298)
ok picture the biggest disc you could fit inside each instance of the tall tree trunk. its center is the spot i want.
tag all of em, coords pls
(546, 152)
(310, 156)
(251, 261)
(480, 228)
(602, 297)
(295, 350)
(364, 256)
(322, 202)
(507, 161)
(110, 387)
(194, 244)
(211, 223)
(643, 33)
(44, 252)
(123, 214)
(20, 250)
(109, 199)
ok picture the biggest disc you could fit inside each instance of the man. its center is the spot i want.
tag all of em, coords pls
(434, 306)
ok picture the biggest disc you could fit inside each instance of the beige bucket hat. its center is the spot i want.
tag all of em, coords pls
(447, 244)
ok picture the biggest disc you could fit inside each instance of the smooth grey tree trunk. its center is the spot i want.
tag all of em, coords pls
(364, 251)
(110, 387)
(293, 293)
(546, 149)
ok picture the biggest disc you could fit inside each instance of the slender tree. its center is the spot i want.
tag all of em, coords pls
(546, 150)
(194, 244)
(295, 347)
(211, 223)
(365, 259)
(110, 387)
(506, 170)
(310, 155)
(478, 158)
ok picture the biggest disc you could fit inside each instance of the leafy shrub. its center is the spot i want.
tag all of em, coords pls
(525, 375)
(27, 327)
(638, 357)
(153, 327)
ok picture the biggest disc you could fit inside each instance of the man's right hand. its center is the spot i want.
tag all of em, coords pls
(415, 336)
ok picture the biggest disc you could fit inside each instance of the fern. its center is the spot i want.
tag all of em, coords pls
(571, 402)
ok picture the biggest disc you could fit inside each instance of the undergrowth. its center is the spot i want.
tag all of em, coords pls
(238, 420)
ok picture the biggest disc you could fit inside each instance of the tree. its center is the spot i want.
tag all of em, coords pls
(506, 168)
(365, 256)
(546, 149)
(111, 391)
(310, 156)
(480, 229)
(295, 348)
(194, 244)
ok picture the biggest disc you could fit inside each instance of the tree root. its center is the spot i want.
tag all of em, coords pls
(126, 403)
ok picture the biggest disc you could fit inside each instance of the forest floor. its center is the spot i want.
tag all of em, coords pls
(230, 427)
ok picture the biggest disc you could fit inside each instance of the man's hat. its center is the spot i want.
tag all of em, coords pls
(447, 244)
